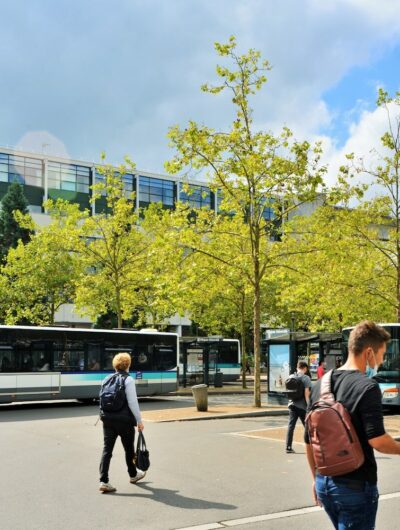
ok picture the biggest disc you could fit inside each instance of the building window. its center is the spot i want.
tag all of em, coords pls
(68, 177)
(196, 196)
(156, 190)
(128, 181)
(21, 169)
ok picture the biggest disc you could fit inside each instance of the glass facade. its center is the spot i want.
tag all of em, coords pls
(156, 190)
(196, 196)
(21, 169)
(68, 177)
(73, 182)
(128, 180)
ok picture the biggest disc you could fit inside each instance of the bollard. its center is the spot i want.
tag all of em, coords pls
(201, 397)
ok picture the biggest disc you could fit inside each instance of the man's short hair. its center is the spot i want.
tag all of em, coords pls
(122, 361)
(367, 334)
(301, 365)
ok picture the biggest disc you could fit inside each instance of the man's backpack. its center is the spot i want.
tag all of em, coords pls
(333, 438)
(112, 393)
(294, 387)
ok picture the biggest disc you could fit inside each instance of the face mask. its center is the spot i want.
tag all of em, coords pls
(371, 371)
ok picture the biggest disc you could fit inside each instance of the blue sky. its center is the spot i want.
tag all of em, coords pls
(356, 90)
(79, 77)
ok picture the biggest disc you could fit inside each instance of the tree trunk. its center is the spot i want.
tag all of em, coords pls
(257, 352)
(257, 324)
(118, 303)
(243, 341)
(52, 312)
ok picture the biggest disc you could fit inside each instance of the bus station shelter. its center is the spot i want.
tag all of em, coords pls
(199, 358)
(284, 351)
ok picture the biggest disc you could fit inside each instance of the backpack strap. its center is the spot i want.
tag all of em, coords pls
(326, 387)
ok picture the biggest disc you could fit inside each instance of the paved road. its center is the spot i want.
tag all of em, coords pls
(202, 473)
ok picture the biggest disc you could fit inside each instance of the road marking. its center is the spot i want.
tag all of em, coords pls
(245, 434)
(270, 516)
(211, 526)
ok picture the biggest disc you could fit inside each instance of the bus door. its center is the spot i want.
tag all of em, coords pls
(8, 379)
(164, 361)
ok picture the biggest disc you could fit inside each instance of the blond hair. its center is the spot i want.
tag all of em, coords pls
(122, 361)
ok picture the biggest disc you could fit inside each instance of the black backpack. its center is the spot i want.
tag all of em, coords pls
(112, 393)
(294, 387)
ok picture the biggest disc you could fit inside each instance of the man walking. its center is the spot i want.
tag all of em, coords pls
(298, 405)
(351, 500)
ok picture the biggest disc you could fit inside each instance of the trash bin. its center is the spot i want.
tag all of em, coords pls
(201, 397)
(218, 379)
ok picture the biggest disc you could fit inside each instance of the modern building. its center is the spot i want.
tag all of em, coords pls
(49, 177)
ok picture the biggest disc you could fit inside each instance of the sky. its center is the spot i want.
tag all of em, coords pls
(79, 77)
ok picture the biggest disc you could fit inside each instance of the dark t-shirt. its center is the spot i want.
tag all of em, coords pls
(362, 398)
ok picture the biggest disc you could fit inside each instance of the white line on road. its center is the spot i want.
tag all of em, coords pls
(269, 516)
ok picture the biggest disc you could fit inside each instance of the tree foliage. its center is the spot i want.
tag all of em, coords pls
(260, 175)
(10, 231)
(377, 221)
(335, 276)
(38, 276)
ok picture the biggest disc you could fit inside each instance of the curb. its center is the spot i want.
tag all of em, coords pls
(228, 416)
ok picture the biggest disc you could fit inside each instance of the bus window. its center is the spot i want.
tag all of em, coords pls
(164, 358)
(227, 352)
(5, 361)
(41, 357)
(391, 361)
(68, 355)
(94, 350)
(142, 359)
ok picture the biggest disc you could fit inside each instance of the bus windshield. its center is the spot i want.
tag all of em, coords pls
(389, 371)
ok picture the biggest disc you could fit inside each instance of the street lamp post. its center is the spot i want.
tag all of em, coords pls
(292, 342)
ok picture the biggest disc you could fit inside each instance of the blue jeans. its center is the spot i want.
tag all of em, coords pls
(350, 504)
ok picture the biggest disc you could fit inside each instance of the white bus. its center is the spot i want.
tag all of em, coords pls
(388, 375)
(40, 363)
(224, 356)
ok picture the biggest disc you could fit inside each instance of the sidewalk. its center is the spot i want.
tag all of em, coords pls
(226, 410)
(213, 412)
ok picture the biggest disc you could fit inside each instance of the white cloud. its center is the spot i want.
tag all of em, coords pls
(100, 77)
(363, 141)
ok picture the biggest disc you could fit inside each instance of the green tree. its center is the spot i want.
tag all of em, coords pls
(383, 211)
(158, 296)
(260, 175)
(10, 231)
(335, 276)
(38, 277)
(113, 250)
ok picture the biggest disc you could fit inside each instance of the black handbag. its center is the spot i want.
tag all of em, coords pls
(142, 454)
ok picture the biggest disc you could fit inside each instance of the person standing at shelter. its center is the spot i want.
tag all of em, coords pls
(121, 423)
(320, 369)
(351, 500)
(298, 406)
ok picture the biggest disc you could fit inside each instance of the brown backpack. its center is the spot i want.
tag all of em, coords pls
(333, 438)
